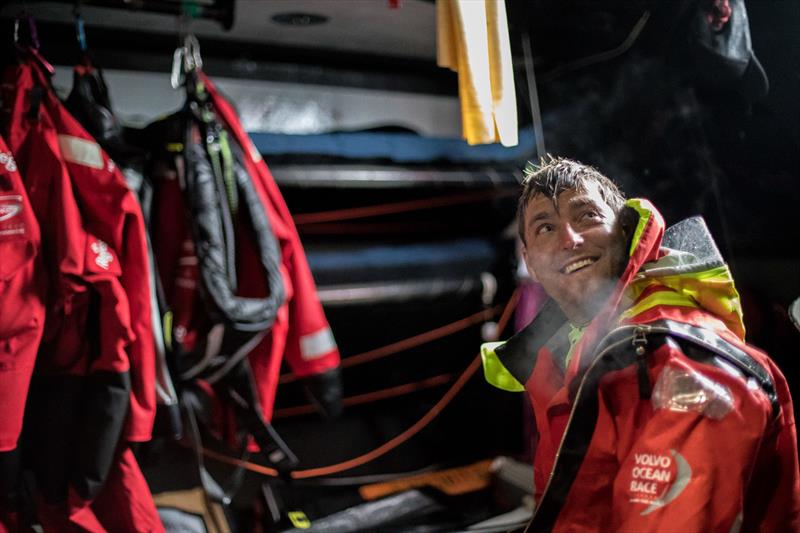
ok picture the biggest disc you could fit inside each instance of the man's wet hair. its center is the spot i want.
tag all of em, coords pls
(553, 175)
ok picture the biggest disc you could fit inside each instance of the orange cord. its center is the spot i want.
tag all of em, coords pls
(396, 207)
(410, 342)
(392, 443)
(368, 397)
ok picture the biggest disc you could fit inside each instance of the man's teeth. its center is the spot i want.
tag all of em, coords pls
(572, 267)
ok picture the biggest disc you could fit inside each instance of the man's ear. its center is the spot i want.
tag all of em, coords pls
(528, 267)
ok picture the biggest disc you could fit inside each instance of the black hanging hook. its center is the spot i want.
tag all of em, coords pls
(33, 35)
(31, 47)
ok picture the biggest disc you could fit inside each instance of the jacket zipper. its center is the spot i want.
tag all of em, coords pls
(639, 340)
(640, 347)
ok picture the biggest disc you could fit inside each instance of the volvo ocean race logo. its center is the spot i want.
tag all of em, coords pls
(657, 479)
(10, 206)
(103, 258)
(7, 160)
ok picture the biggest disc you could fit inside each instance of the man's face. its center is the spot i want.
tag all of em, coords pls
(576, 252)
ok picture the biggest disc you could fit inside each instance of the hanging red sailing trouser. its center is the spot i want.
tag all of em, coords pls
(94, 389)
(21, 319)
(301, 332)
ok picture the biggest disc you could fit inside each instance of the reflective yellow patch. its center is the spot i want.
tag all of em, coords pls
(168, 329)
(659, 298)
(299, 519)
(495, 372)
(711, 289)
(644, 216)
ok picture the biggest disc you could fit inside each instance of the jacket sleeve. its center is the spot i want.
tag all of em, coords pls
(689, 462)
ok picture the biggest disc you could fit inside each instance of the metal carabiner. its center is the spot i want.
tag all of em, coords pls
(176, 75)
(192, 58)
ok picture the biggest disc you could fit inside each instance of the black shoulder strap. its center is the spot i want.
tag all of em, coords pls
(703, 342)
(213, 234)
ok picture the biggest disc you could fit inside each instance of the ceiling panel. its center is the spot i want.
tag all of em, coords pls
(361, 26)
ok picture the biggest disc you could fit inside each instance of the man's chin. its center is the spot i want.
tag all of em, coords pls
(590, 298)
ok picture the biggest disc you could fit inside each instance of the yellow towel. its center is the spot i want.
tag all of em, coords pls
(472, 39)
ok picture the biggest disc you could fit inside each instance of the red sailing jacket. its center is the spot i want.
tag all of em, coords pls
(668, 423)
(300, 334)
(93, 235)
(94, 380)
(21, 294)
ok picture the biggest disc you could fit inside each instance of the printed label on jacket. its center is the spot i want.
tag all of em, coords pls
(11, 223)
(100, 257)
(657, 478)
(7, 161)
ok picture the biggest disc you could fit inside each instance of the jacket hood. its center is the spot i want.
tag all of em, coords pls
(693, 268)
(683, 259)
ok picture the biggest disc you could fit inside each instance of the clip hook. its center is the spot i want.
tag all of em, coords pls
(192, 59)
(32, 35)
(80, 31)
(32, 47)
(185, 59)
(176, 75)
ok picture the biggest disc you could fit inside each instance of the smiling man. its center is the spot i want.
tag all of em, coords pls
(651, 412)
(573, 245)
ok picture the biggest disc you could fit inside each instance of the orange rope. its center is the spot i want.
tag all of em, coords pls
(373, 228)
(392, 443)
(396, 207)
(368, 397)
(410, 342)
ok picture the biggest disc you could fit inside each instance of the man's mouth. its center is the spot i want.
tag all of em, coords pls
(579, 264)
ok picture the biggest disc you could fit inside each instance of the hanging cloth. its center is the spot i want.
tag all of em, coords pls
(21, 323)
(300, 335)
(93, 390)
(472, 40)
(90, 104)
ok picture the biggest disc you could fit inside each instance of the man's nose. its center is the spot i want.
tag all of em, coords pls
(570, 238)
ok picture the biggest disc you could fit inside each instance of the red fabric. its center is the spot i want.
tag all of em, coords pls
(22, 297)
(301, 319)
(743, 464)
(118, 507)
(95, 260)
(93, 238)
(9, 521)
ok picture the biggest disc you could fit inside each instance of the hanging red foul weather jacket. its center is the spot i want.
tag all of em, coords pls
(300, 334)
(94, 382)
(21, 324)
(21, 294)
(663, 419)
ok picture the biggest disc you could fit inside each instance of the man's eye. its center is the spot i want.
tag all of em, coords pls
(544, 228)
(591, 215)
